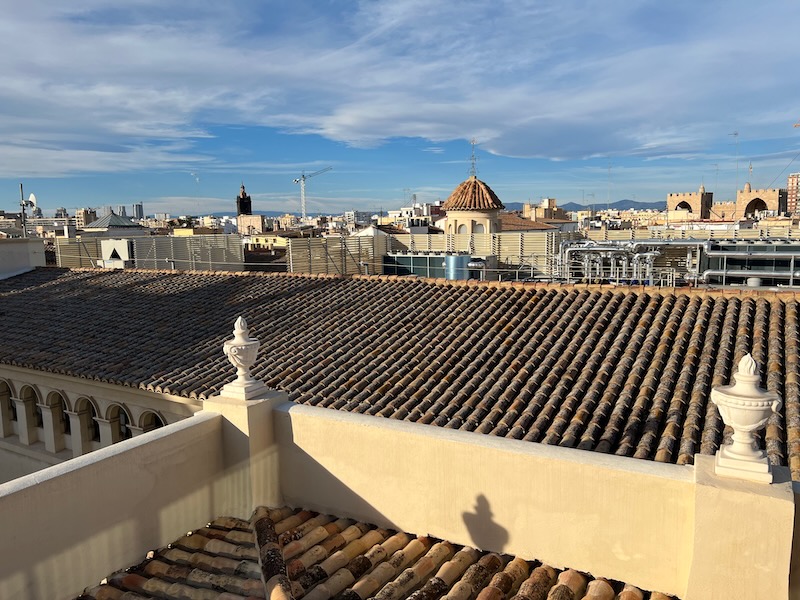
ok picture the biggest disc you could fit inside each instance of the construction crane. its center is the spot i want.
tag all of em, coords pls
(302, 181)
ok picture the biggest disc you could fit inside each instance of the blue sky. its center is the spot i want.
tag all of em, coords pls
(175, 104)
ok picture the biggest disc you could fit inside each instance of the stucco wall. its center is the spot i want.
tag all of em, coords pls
(20, 255)
(680, 530)
(68, 526)
(621, 518)
(16, 462)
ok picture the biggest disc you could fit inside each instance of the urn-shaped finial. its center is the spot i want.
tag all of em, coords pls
(746, 408)
(242, 351)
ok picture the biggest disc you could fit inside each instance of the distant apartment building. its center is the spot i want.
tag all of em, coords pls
(287, 221)
(61, 213)
(357, 217)
(10, 221)
(84, 216)
(138, 211)
(252, 224)
(792, 193)
(414, 216)
(546, 210)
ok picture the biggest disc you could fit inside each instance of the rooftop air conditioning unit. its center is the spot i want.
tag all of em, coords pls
(116, 254)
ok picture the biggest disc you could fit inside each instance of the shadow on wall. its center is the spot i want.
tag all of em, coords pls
(307, 483)
(485, 533)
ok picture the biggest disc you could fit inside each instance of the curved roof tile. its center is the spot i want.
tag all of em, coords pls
(473, 194)
(624, 371)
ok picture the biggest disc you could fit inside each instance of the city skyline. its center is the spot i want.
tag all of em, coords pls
(586, 102)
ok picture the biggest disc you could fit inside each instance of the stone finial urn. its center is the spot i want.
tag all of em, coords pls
(745, 407)
(242, 351)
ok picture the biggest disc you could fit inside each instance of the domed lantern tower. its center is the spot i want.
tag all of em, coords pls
(472, 208)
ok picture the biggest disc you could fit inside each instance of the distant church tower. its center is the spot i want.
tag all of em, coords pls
(473, 207)
(244, 206)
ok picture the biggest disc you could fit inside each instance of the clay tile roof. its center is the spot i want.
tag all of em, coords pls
(513, 222)
(391, 229)
(282, 553)
(615, 370)
(473, 194)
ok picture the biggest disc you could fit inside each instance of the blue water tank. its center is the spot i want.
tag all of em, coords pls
(455, 266)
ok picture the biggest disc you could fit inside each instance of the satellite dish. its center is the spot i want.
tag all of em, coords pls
(32, 199)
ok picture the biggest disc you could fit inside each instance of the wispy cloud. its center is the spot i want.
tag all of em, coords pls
(88, 87)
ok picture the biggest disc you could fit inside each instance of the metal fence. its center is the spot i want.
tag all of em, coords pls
(519, 255)
(608, 235)
(336, 255)
(199, 252)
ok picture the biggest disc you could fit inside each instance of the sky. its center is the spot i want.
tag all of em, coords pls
(176, 104)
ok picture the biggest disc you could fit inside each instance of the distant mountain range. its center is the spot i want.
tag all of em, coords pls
(511, 206)
(266, 213)
(618, 205)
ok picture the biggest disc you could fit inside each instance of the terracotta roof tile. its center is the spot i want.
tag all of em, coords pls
(622, 371)
(473, 194)
(513, 222)
(342, 560)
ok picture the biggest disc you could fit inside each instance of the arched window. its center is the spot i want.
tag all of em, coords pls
(7, 406)
(754, 206)
(478, 228)
(123, 421)
(462, 229)
(150, 421)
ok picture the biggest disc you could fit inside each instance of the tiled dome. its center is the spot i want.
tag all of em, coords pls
(473, 194)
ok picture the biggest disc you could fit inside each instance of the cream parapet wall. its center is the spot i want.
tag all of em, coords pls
(626, 519)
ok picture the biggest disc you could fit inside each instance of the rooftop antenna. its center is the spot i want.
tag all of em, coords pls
(473, 171)
(735, 135)
(23, 204)
(302, 181)
(716, 178)
(196, 178)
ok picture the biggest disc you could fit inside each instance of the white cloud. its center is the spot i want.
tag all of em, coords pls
(93, 87)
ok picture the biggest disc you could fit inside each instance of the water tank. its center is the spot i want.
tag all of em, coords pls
(456, 266)
(754, 282)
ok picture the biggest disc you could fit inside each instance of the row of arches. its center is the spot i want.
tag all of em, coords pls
(470, 227)
(81, 424)
(755, 206)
